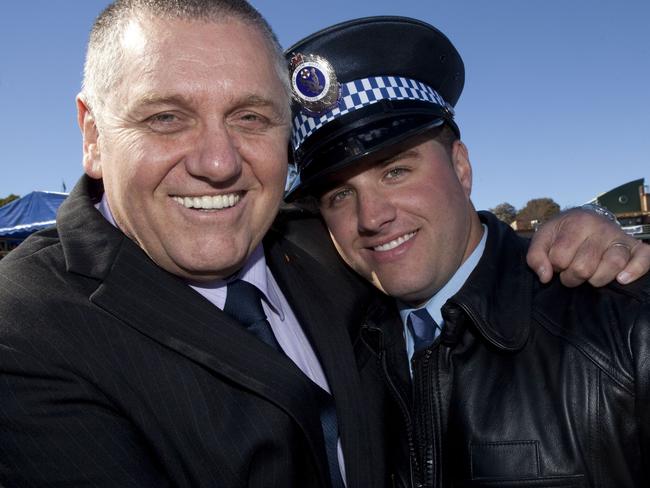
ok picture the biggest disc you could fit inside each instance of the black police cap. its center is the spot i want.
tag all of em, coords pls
(363, 86)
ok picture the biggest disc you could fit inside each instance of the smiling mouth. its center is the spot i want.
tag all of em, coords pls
(394, 243)
(209, 202)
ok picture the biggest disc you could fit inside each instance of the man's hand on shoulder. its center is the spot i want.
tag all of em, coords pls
(584, 246)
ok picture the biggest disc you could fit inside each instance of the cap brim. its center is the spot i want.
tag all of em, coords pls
(314, 183)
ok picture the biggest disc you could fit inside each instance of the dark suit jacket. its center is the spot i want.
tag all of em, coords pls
(115, 373)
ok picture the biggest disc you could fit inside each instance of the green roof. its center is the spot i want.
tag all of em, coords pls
(622, 199)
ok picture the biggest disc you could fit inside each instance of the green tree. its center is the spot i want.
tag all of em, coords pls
(6, 200)
(505, 212)
(540, 209)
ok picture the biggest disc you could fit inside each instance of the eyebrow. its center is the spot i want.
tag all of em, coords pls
(259, 101)
(340, 180)
(154, 99)
(251, 100)
(404, 154)
(255, 100)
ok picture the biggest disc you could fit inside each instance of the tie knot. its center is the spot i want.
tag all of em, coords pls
(423, 327)
(244, 302)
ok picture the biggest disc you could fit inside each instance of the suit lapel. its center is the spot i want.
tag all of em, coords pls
(325, 310)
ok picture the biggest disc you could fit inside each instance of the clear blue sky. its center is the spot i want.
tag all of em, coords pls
(556, 100)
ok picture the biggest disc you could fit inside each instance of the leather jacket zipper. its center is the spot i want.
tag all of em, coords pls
(408, 423)
(401, 402)
(426, 406)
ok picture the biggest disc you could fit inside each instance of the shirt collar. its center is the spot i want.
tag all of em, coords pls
(455, 283)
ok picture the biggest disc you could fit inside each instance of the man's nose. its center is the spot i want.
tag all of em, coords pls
(216, 156)
(374, 211)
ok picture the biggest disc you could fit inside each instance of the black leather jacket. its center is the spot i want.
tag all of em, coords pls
(528, 385)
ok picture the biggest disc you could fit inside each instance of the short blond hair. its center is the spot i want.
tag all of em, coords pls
(104, 54)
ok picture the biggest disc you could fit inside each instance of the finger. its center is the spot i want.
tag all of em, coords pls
(544, 241)
(585, 263)
(565, 248)
(638, 265)
(537, 258)
(612, 264)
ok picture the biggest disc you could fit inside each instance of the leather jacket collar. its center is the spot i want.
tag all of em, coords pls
(497, 296)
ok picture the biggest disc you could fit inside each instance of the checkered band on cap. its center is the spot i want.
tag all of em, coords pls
(360, 93)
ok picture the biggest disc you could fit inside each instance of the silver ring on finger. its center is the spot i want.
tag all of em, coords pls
(621, 244)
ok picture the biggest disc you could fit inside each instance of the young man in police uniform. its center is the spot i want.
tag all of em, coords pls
(499, 380)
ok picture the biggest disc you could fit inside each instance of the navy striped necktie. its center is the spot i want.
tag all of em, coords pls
(423, 327)
(244, 304)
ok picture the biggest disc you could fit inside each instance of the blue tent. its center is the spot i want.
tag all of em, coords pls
(30, 213)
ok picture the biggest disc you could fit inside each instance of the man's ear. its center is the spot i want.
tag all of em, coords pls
(462, 166)
(91, 152)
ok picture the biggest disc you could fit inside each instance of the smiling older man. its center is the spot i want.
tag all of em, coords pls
(115, 371)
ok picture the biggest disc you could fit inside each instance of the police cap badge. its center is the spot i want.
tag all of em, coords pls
(313, 82)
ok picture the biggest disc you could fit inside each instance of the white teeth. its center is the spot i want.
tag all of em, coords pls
(394, 243)
(207, 202)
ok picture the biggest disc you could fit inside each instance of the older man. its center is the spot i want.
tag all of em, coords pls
(166, 333)
(511, 383)
(117, 373)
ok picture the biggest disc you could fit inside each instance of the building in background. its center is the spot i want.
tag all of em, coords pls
(631, 205)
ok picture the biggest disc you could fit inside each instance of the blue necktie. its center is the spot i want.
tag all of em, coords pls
(244, 304)
(423, 328)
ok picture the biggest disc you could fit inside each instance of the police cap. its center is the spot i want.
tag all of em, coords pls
(362, 87)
